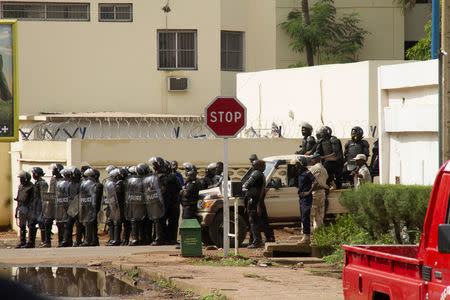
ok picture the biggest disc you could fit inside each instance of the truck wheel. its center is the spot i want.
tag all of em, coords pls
(216, 230)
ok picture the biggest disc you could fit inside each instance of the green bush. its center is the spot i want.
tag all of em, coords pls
(388, 209)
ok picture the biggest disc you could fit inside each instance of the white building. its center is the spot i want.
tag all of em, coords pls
(408, 122)
(340, 96)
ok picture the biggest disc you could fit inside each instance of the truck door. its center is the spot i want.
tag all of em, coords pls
(436, 269)
(282, 201)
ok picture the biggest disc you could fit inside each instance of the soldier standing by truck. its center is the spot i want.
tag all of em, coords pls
(24, 210)
(254, 188)
(318, 194)
(306, 184)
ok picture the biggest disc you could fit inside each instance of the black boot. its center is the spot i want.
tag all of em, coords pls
(47, 236)
(134, 234)
(68, 230)
(79, 231)
(23, 238)
(126, 234)
(160, 238)
(31, 237)
(88, 240)
(60, 234)
(117, 229)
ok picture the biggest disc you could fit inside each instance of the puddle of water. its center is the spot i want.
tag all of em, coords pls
(69, 282)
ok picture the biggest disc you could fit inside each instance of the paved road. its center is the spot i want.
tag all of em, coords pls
(76, 255)
(154, 262)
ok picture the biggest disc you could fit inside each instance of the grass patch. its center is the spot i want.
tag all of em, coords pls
(188, 292)
(133, 274)
(231, 261)
(214, 296)
(166, 284)
(263, 278)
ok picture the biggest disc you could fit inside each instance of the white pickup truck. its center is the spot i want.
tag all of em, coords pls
(281, 201)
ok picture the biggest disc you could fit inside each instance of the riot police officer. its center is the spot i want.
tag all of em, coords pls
(209, 180)
(172, 206)
(146, 237)
(254, 188)
(357, 145)
(74, 207)
(24, 210)
(154, 201)
(87, 214)
(308, 141)
(40, 188)
(135, 210)
(63, 199)
(190, 194)
(330, 148)
(113, 194)
(126, 223)
(105, 204)
(158, 165)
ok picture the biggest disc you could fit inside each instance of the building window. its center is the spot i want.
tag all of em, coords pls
(177, 49)
(45, 11)
(232, 51)
(116, 12)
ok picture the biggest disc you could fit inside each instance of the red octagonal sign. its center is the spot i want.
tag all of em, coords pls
(225, 116)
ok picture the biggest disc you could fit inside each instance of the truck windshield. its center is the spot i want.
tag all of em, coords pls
(269, 167)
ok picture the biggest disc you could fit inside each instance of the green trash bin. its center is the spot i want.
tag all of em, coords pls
(190, 238)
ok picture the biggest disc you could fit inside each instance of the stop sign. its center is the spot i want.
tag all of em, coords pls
(225, 116)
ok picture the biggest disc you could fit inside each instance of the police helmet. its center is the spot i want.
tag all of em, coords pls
(141, 170)
(302, 161)
(76, 173)
(306, 125)
(211, 167)
(24, 175)
(89, 173)
(37, 171)
(110, 168)
(57, 166)
(132, 170)
(123, 172)
(157, 163)
(258, 164)
(66, 173)
(357, 133)
(325, 131)
(253, 157)
(115, 172)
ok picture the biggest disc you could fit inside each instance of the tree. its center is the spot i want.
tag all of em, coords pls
(422, 49)
(320, 34)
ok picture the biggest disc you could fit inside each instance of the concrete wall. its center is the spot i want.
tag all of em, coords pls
(382, 18)
(341, 96)
(408, 123)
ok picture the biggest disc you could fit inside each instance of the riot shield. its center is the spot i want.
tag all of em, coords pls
(87, 209)
(48, 205)
(135, 209)
(154, 201)
(41, 186)
(62, 200)
(112, 201)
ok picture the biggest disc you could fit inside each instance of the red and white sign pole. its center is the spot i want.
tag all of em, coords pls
(226, 117)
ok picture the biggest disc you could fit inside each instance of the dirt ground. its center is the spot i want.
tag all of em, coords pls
(291, 278)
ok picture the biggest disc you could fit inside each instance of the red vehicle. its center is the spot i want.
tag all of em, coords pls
(406, 271)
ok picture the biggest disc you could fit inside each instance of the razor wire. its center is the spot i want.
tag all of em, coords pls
(170, 128)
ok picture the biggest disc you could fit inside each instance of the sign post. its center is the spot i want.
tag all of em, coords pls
(225, 117)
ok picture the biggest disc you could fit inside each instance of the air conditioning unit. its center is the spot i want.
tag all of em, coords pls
(177, 84)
